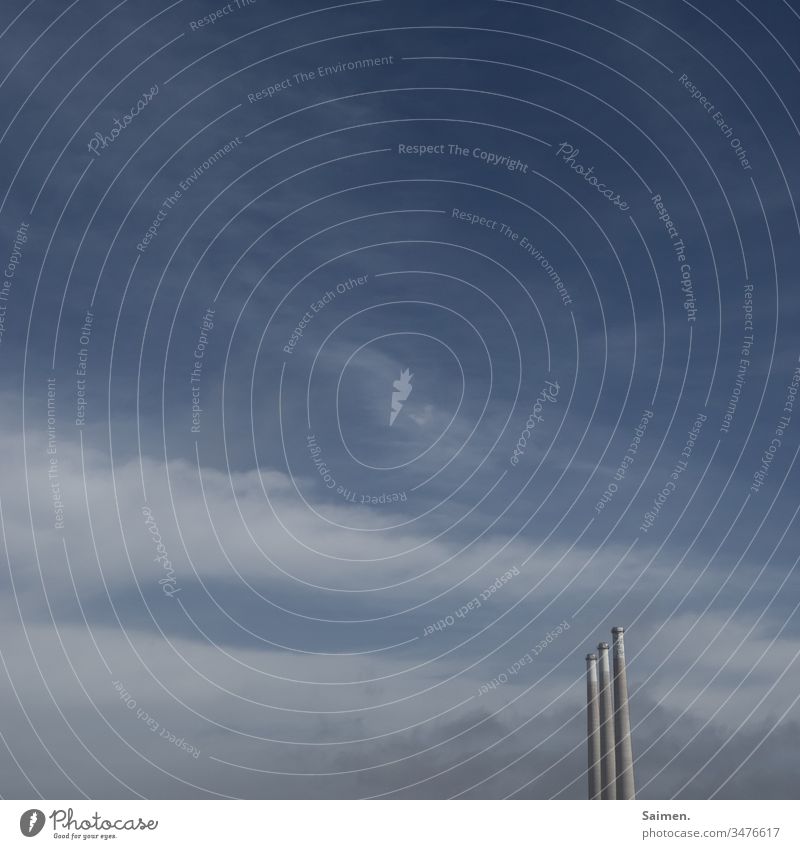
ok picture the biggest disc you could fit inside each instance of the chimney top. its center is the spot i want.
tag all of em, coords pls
(617, 629)
(602, 646)
(591, 657)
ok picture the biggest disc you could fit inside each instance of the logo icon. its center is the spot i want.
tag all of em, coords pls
(31, 822)
(402, 389)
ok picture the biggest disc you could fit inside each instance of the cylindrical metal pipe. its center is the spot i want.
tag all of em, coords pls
(608, 769)
(622, 721)
(593, 727)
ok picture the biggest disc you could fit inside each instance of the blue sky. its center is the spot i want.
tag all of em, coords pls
(563, 221)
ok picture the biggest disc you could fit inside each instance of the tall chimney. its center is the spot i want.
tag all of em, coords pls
(608, 770)
(593, 727)
(622, 721)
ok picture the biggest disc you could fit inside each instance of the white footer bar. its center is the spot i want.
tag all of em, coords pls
(401, 824)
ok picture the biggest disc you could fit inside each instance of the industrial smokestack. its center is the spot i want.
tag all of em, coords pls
(622, 721)
(593, 727)
(608, 770)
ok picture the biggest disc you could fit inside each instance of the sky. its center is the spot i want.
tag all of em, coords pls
(362, 365)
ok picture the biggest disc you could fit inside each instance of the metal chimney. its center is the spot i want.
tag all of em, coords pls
(608, 770)
(593, 727)
(622, 721)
